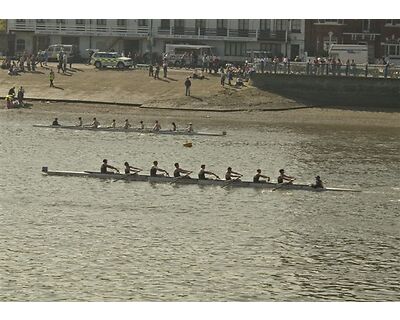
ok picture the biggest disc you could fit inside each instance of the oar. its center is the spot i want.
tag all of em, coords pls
(180, 177)
(282, 184)
(229, 182)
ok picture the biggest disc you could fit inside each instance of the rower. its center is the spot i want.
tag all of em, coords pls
(105, 165)
(189, 128)
(80, 123)
(154, 169)
(129, 168)
(178, 171)
(203, 172)
(55, 122)
(141, 125)
(232, 174)
(95, 123)
(113, 124)
(318, 183)
(258, 175)
(157, 126)
(127, 125)
(173, 126)
(283, 176)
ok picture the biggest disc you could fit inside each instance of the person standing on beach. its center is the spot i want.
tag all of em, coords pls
(188, 84)
(151, 71)
(51, 76)
(165, 69)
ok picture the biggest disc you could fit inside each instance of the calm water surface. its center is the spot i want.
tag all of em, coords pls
(76, 239)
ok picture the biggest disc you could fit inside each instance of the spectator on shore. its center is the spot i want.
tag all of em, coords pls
(223, 76)
(157, 73)
(20, 96)
(165, 69)
(151, 71)
(188, 84)
(51, 77)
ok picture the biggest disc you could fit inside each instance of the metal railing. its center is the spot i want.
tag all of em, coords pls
(325, 69)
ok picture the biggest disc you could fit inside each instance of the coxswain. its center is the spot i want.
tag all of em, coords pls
(95, 123)
(283, 177)
(104, 166)
(55, 122)
(154, 169)
(173, 126)
(190, 127)
(127, 125)
(113, 124)
(203, 172)
(157, 126)
(141, 125)
(129, 169)
(258, 175)
(80, 122)
(178, 171)
(318, 183)
(232, 174)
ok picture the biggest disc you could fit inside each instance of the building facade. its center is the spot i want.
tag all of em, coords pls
(381, 36)
(232, 39)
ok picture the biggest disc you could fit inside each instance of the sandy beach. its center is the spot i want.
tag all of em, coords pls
(164, 99)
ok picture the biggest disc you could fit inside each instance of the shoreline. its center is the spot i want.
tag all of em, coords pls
(132, 93)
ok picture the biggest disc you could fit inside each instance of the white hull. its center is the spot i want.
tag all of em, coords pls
(137, 130)
(183, 180)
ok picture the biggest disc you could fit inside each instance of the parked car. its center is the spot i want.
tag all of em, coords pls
(110, 59)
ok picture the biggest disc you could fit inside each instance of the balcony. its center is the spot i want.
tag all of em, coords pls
(52, 28)
(207, 33)
(267, 35)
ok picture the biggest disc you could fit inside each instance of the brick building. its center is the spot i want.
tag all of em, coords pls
(381, 36)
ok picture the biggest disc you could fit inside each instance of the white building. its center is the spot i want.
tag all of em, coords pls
(233, 39)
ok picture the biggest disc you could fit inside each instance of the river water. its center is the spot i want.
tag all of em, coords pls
(77, 239)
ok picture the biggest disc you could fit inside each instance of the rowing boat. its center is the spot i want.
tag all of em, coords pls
(146, 130)
(186, 181)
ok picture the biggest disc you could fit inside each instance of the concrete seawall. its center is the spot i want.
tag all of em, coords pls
(329, 90)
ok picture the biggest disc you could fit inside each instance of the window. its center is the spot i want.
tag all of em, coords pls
(60, 21)
(20, 45)
(265, 25)
(142, 22)
(281, 24)
(165, 24)
(21, 20)
(396, 21)
(200, 23)
(101, 22)
(243, 24)
(235, 48)
(121, 22)
(179, 23)
(39, 21)
(296, 25)
(330, 21)
(272, 49)
(365, 25)
(222, 23)
(80, 21)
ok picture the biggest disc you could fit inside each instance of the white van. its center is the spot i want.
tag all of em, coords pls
(344, 52)
(53, 51)
(184, 54)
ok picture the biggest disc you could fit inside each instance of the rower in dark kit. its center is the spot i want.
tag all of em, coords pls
(203, 172)
(55, 122)
(131, 170)
(232, 174)
(258, 175)
(318, 183)
(105, 166)
(154, 169)
(157, 126)
(178, 171)
(283, 177)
